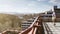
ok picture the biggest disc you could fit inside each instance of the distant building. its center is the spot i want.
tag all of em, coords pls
(26, 24)
(57, 11)
(47, 16)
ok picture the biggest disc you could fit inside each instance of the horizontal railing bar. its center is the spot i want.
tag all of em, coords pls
(29, 28)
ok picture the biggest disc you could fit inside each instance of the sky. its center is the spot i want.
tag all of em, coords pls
(27, 6)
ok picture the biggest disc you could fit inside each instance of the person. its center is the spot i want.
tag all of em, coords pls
(53, 18)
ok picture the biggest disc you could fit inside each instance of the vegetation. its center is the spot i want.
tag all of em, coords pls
(28, 16)
(9, 22)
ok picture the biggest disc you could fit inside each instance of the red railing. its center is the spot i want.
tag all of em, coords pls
(31, 29)
(35, 28)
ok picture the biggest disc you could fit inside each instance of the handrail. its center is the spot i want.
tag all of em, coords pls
(29, 28)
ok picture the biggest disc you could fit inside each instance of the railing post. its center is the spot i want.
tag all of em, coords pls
(40, 29)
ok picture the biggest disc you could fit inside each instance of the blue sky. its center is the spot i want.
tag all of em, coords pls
(27, 6)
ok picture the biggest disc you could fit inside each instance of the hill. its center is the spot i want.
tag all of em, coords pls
(8, 21)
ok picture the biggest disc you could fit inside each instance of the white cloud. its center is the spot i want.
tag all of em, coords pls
(55, 2)
(41, 0)
(22, 6)
(38, 0)
(15, 6)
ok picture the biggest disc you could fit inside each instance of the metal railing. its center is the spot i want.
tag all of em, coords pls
(29, 28)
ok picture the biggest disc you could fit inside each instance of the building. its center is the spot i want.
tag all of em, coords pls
(26, 24)
(57, 13)
(47, 16)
